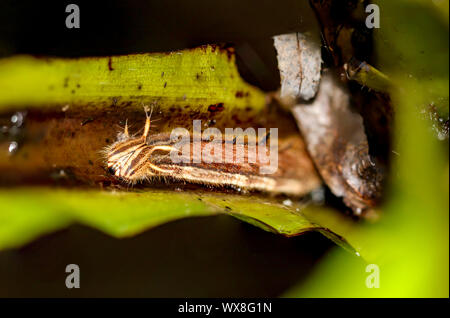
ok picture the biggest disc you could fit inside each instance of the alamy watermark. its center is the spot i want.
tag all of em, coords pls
(73, 19)
(373, 279)
(373, 19)
(73, 279)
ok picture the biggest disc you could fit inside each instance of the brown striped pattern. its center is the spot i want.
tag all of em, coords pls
(138, 159)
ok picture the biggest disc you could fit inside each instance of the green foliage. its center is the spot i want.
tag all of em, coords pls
(195, 78)
(29, 212)
(412, 43)
(410, 244)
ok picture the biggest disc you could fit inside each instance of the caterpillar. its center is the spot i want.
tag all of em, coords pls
(148, 158)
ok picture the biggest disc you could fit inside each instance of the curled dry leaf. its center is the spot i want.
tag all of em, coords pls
(334, 135)
(337, 142)
(299, 62)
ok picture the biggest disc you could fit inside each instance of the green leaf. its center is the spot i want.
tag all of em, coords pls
(412, 42)
(29, 212)
(193, 78)
(410, 244)
(123, 214)
(196, 78)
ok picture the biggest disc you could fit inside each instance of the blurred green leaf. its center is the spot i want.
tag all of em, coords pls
(412, 42)
(410, 244)
(30, 212)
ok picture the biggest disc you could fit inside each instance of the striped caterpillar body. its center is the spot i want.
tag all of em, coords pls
(147, 158)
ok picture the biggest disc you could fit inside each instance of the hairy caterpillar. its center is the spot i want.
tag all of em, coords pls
(147, 159)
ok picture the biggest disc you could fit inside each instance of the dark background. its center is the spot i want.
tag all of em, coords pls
(123, 27)
(201, 257)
